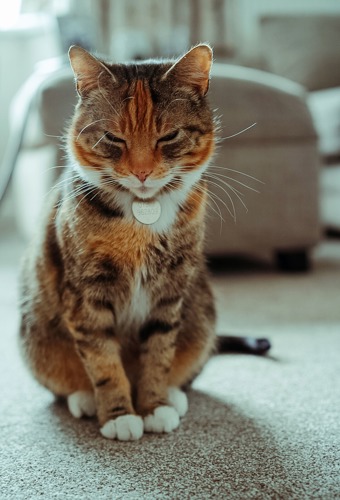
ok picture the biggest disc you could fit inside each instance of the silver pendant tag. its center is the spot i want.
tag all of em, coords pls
(146, 212)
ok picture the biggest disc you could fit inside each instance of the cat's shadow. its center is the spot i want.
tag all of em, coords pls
(216, 446)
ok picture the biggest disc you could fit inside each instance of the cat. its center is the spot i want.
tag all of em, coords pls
(117, 313)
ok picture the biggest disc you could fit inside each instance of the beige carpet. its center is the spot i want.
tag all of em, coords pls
(257, 428)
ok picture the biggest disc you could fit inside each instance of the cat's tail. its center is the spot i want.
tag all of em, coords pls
(248, 345)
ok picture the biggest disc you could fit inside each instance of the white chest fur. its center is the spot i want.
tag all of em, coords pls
(136, 310)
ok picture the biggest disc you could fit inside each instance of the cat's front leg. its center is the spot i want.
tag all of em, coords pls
(154, 403)
(99, 351)
(116, 415)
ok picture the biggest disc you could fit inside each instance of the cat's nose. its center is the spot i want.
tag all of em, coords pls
(142, 175)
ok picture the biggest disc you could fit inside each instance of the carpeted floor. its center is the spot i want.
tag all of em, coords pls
(257, 428)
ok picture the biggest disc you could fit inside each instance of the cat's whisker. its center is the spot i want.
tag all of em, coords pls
(108, 184)
(69, 181)
(238, 133)
(83, 198)
(233, 212)
(112, 119)
(210, 198)
(89, 125)
(216, 178)
(181, 170)
(62, 183)
(70, 176)
(220, 200)
(205, 190)
(85, 190)
(59, 184)
(54, 167)
(55, 136)
(170, 104)
(99, 140)
(116, 112)
(237, 193)
(74, 194)
(236, 171)
(222, 182)
(191, 140)
(221, 177)
(127, 99)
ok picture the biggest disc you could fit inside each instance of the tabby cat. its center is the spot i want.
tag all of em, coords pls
(117, 312)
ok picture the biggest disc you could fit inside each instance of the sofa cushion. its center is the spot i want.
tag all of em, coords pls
(276, 104)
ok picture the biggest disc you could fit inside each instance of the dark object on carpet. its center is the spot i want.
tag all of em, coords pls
(247, 345)
(293, 261)
(332, 233)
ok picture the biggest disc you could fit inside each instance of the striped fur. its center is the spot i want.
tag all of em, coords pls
(110, 305)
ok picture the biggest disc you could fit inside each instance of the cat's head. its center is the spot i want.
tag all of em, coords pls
(144, 127)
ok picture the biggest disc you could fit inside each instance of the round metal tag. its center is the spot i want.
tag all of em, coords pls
(146, 212)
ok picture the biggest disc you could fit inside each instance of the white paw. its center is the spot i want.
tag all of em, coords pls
(163, 419)
(81, 403)
(178, 399)
(124, 428)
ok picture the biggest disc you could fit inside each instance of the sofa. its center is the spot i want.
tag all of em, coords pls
(281, 151)
(273, 166)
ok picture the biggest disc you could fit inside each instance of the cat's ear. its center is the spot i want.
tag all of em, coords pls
(193, 69)
(87, 70)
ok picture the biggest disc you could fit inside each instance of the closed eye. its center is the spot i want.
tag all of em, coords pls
(169, 137)
(113, 138)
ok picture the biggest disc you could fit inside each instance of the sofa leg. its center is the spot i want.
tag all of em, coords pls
(293, 261)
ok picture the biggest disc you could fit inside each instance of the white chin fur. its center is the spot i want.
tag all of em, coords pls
(144, 194)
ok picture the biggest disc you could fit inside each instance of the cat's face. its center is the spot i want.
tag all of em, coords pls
(142, 128)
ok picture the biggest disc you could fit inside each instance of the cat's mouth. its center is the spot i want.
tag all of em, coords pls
(144, 192)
